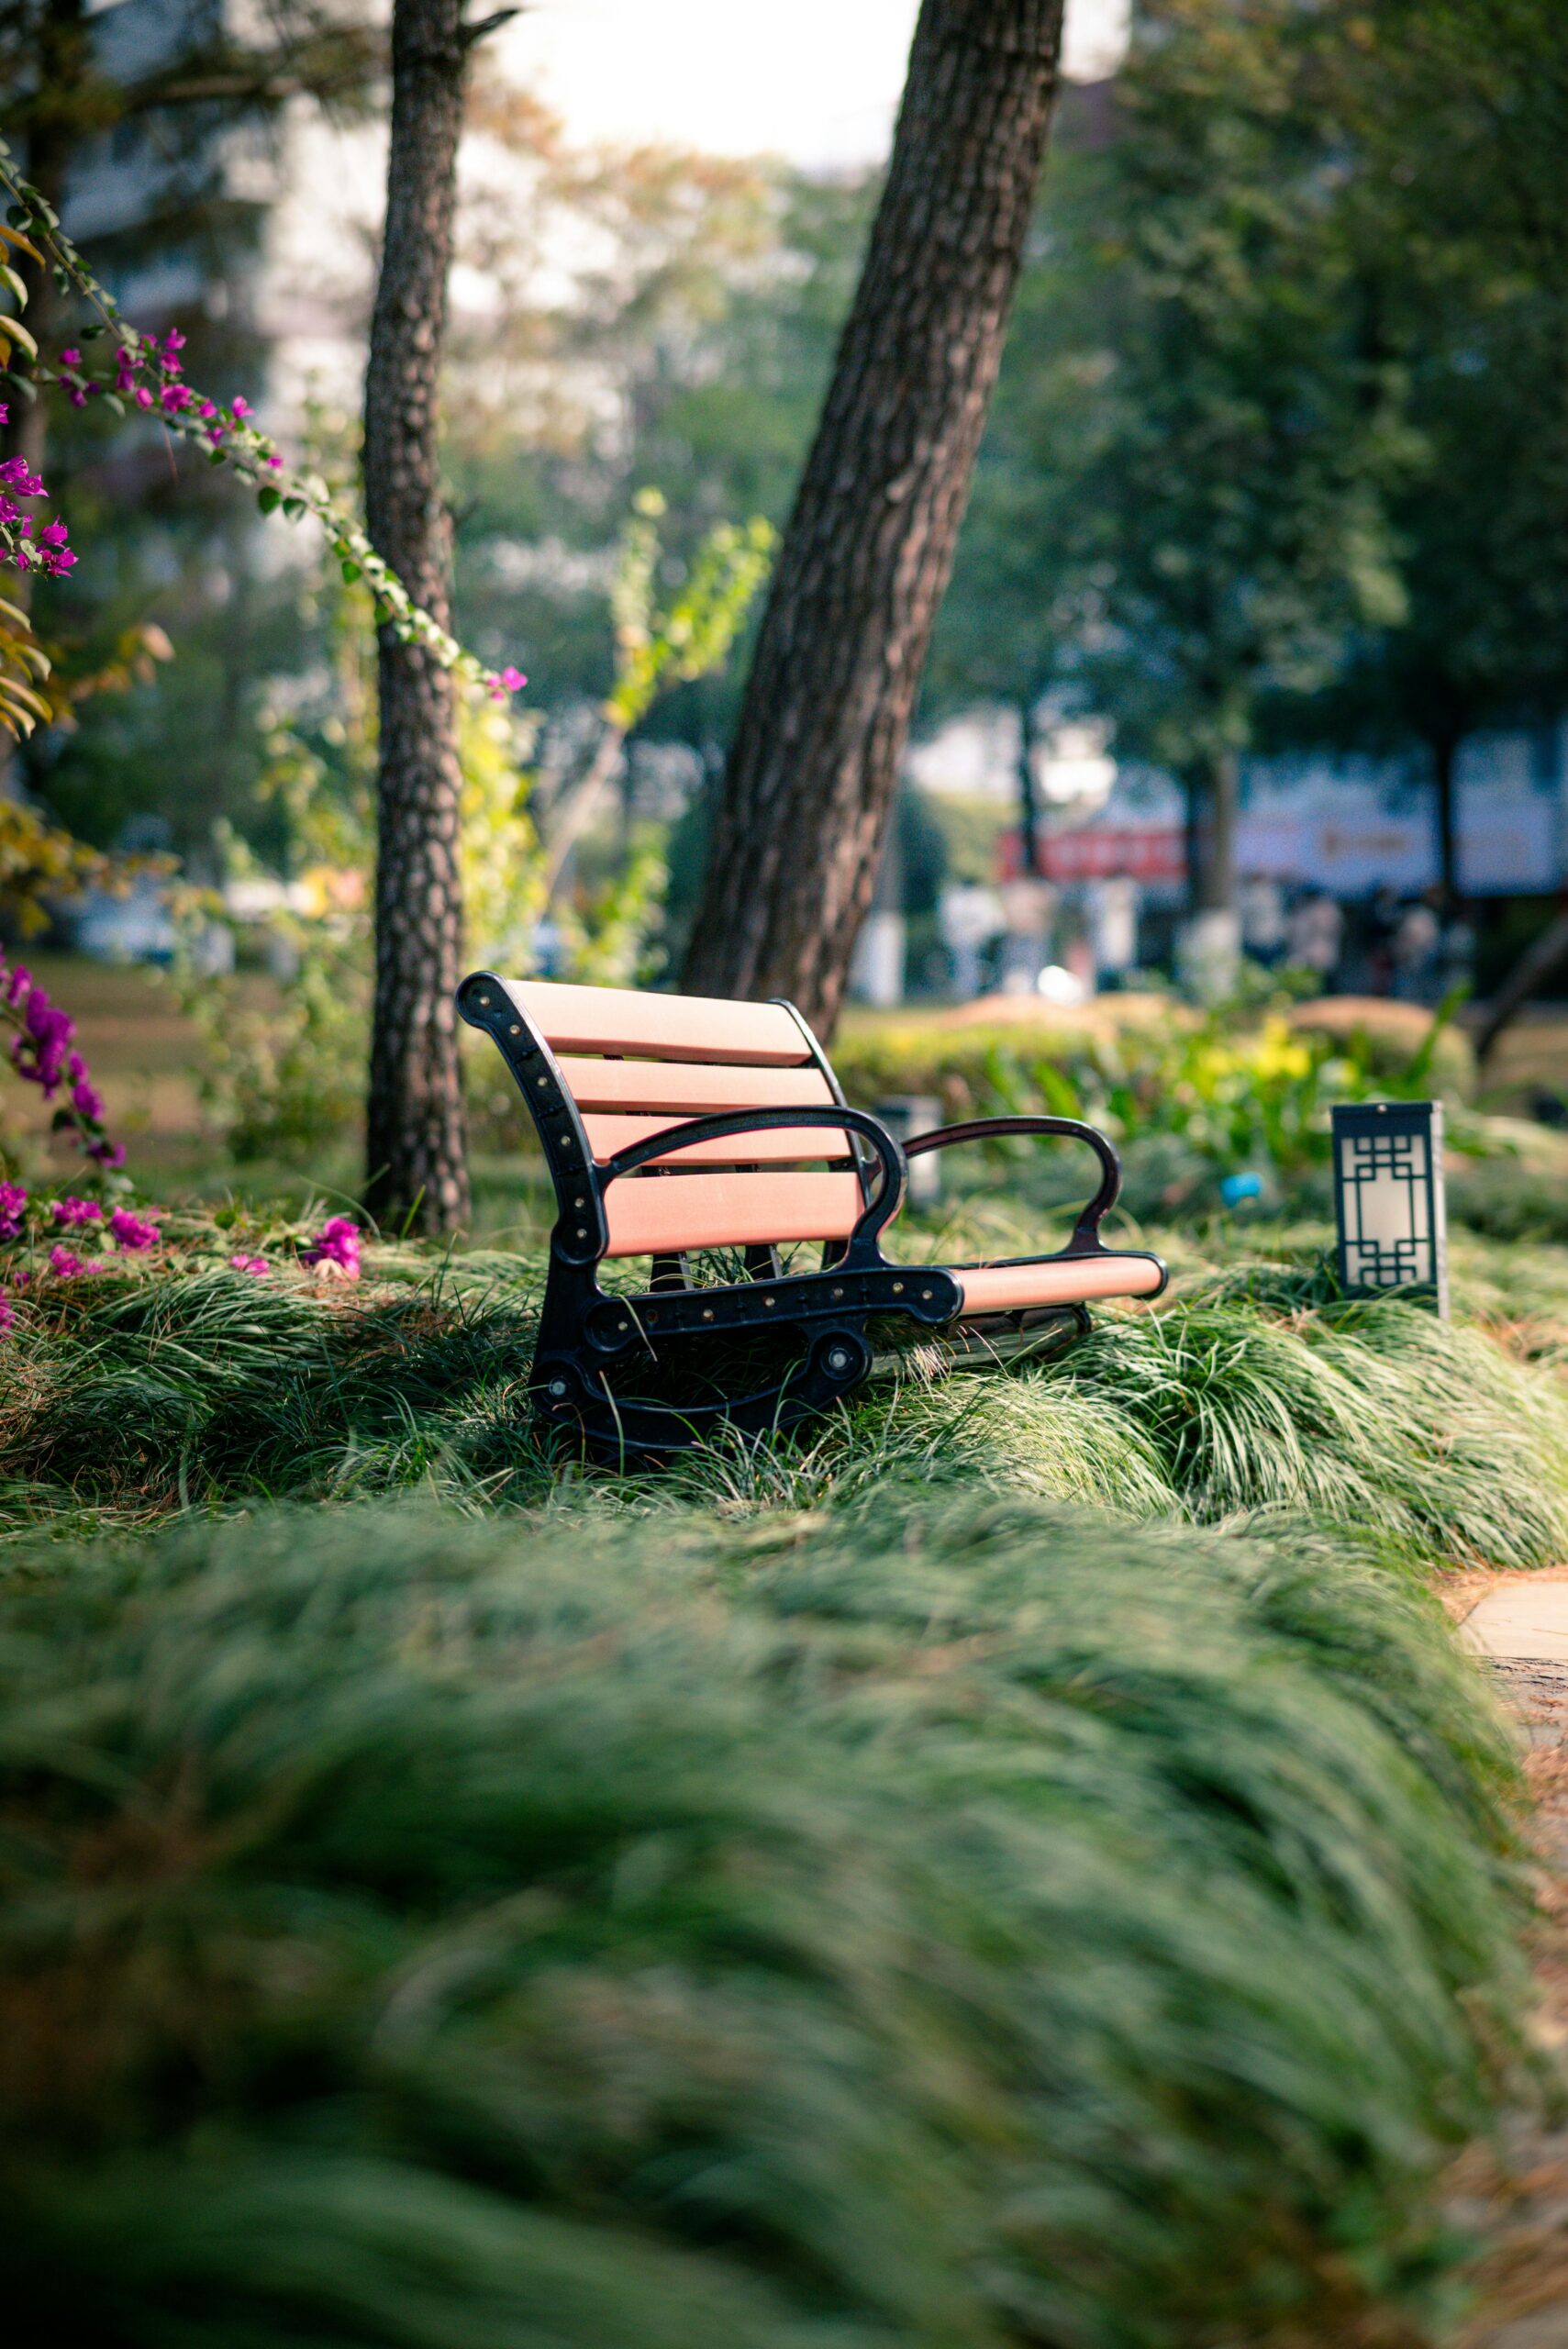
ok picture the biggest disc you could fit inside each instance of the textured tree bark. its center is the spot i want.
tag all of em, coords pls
(869, 550)
(416, 1167)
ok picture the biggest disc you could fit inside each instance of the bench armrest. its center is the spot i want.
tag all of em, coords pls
(1086, 1231)
(879, 1212)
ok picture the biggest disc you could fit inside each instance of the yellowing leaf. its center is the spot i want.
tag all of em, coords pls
(14, 236)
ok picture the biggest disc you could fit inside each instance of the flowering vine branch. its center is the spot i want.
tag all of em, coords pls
(141, 371)
(43, 1052)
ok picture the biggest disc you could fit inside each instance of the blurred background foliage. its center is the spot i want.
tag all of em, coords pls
(1277, 457)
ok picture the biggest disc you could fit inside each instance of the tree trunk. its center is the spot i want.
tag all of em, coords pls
(869, 550)
(1539, 962)
(1213, 792)
(1444, 748)
(415, 1139)
(1029, 790)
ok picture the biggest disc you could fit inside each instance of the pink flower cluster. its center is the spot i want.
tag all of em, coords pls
(336, 1248)
(148, 373)
(133, 1232)
(43, 1053)
(130, 1233)
(49, 551)
(76, 1211)
(257, 1264)
(67, 1267)
(12, 1205)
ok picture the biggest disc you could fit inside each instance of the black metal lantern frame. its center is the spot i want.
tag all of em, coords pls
(1388, 1199)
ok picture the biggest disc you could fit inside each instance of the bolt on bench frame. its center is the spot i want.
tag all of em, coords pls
(609, 1124)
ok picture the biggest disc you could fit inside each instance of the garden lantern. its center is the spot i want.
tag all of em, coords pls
(1388, 1197)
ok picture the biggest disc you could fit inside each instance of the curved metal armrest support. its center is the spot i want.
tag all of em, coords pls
(882, 1208)
(1086, 1231)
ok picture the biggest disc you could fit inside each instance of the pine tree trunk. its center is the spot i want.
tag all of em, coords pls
(415, 1138)
(867, 556)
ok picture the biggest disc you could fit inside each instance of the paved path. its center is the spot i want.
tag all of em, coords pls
(1520, 2203)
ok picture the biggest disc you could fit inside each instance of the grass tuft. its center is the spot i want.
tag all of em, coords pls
(977, 1923)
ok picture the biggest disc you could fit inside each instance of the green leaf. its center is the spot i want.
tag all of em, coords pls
(296, 509)
(351, 573)
(269, 500)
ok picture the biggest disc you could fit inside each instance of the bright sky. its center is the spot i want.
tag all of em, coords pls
(815, 80)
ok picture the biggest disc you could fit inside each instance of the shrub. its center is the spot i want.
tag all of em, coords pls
(986, 1927)
(1230, 1090)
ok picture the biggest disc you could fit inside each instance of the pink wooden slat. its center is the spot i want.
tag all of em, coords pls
(665, 1027)
(666, 1213)
(1005, 1289)
(787, 1147)
(688, 1090)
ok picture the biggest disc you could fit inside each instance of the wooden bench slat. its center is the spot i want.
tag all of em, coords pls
(661, 1214)
(689, 1090)
(665, 1027)
(787, 1147)
(1009, 1288)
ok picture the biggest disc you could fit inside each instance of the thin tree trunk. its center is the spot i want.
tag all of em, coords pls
(869, 551)
(415, 1135)
(570, 820)
(1213, 793)
(1537, 964)
(1029, 790)
(1445, 751)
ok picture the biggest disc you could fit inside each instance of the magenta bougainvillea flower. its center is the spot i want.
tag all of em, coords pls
(66, 1266)
(334, 1249)
(43, 1052)
(257, 1264)
(7, 1317)
(73, 1211)
(13, 1207)
(133, 1230)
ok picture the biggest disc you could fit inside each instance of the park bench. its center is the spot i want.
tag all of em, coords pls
(675, 1127)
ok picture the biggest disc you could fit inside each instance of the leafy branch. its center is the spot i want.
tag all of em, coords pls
(146, 374)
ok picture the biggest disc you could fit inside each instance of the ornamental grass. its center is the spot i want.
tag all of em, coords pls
(971, 1922)
(151, 1388)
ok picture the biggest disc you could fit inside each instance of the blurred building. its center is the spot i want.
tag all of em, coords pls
(1358, 831)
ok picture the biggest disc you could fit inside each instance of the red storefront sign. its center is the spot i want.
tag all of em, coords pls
(1152, 853)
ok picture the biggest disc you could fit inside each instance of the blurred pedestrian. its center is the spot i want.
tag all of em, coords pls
(1314, 934)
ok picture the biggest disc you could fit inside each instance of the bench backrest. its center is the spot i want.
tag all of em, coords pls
(635, 1063)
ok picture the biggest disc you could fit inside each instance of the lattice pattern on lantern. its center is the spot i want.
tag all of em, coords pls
(1389, 1198)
